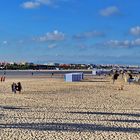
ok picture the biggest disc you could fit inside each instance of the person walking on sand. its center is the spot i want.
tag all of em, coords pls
(19, 87)
(13, 86)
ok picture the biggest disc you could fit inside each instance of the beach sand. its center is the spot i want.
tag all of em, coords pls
(51, 109)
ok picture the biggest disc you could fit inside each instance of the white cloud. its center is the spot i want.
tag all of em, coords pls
(31, 5)
(21, 41)
(5, 42)
(87, 35)
(136, 42)
(117, 43)
(52, 36)
(52, 46)
(124, 43)
(47, 2)
(109, 11)
(135, 31)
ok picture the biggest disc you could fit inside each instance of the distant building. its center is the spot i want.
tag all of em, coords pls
(53, 64)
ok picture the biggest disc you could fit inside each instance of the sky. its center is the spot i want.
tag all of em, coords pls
(70, 31)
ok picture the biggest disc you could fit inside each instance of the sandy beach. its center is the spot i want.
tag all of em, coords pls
(51, 109)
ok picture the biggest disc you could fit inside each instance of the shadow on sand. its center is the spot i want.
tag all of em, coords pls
(125, 121)
(107, 113)
(69, 127)
(96, 81)
(12, 107)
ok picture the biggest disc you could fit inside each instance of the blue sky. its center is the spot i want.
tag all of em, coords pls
(70, 31)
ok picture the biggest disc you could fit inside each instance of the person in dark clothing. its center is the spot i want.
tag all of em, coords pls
(115, 77)
(4, 73)
(19, 87)
(52, 74)
(130, 78)
(13, 86)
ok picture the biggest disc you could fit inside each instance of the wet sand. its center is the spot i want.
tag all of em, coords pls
(51, 109)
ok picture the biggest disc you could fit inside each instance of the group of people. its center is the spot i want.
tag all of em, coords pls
(116, 75)
(16, 87)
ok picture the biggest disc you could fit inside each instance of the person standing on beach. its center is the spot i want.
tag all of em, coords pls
(130, 78)
(19, 87)
(52, 74)
(115, 77)
(13, 86)
(122, 73)
(125, 77)
(4, 73)
(32, 73)
(1, 79)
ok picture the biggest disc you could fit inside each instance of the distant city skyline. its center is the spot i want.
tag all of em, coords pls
(70, 31)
